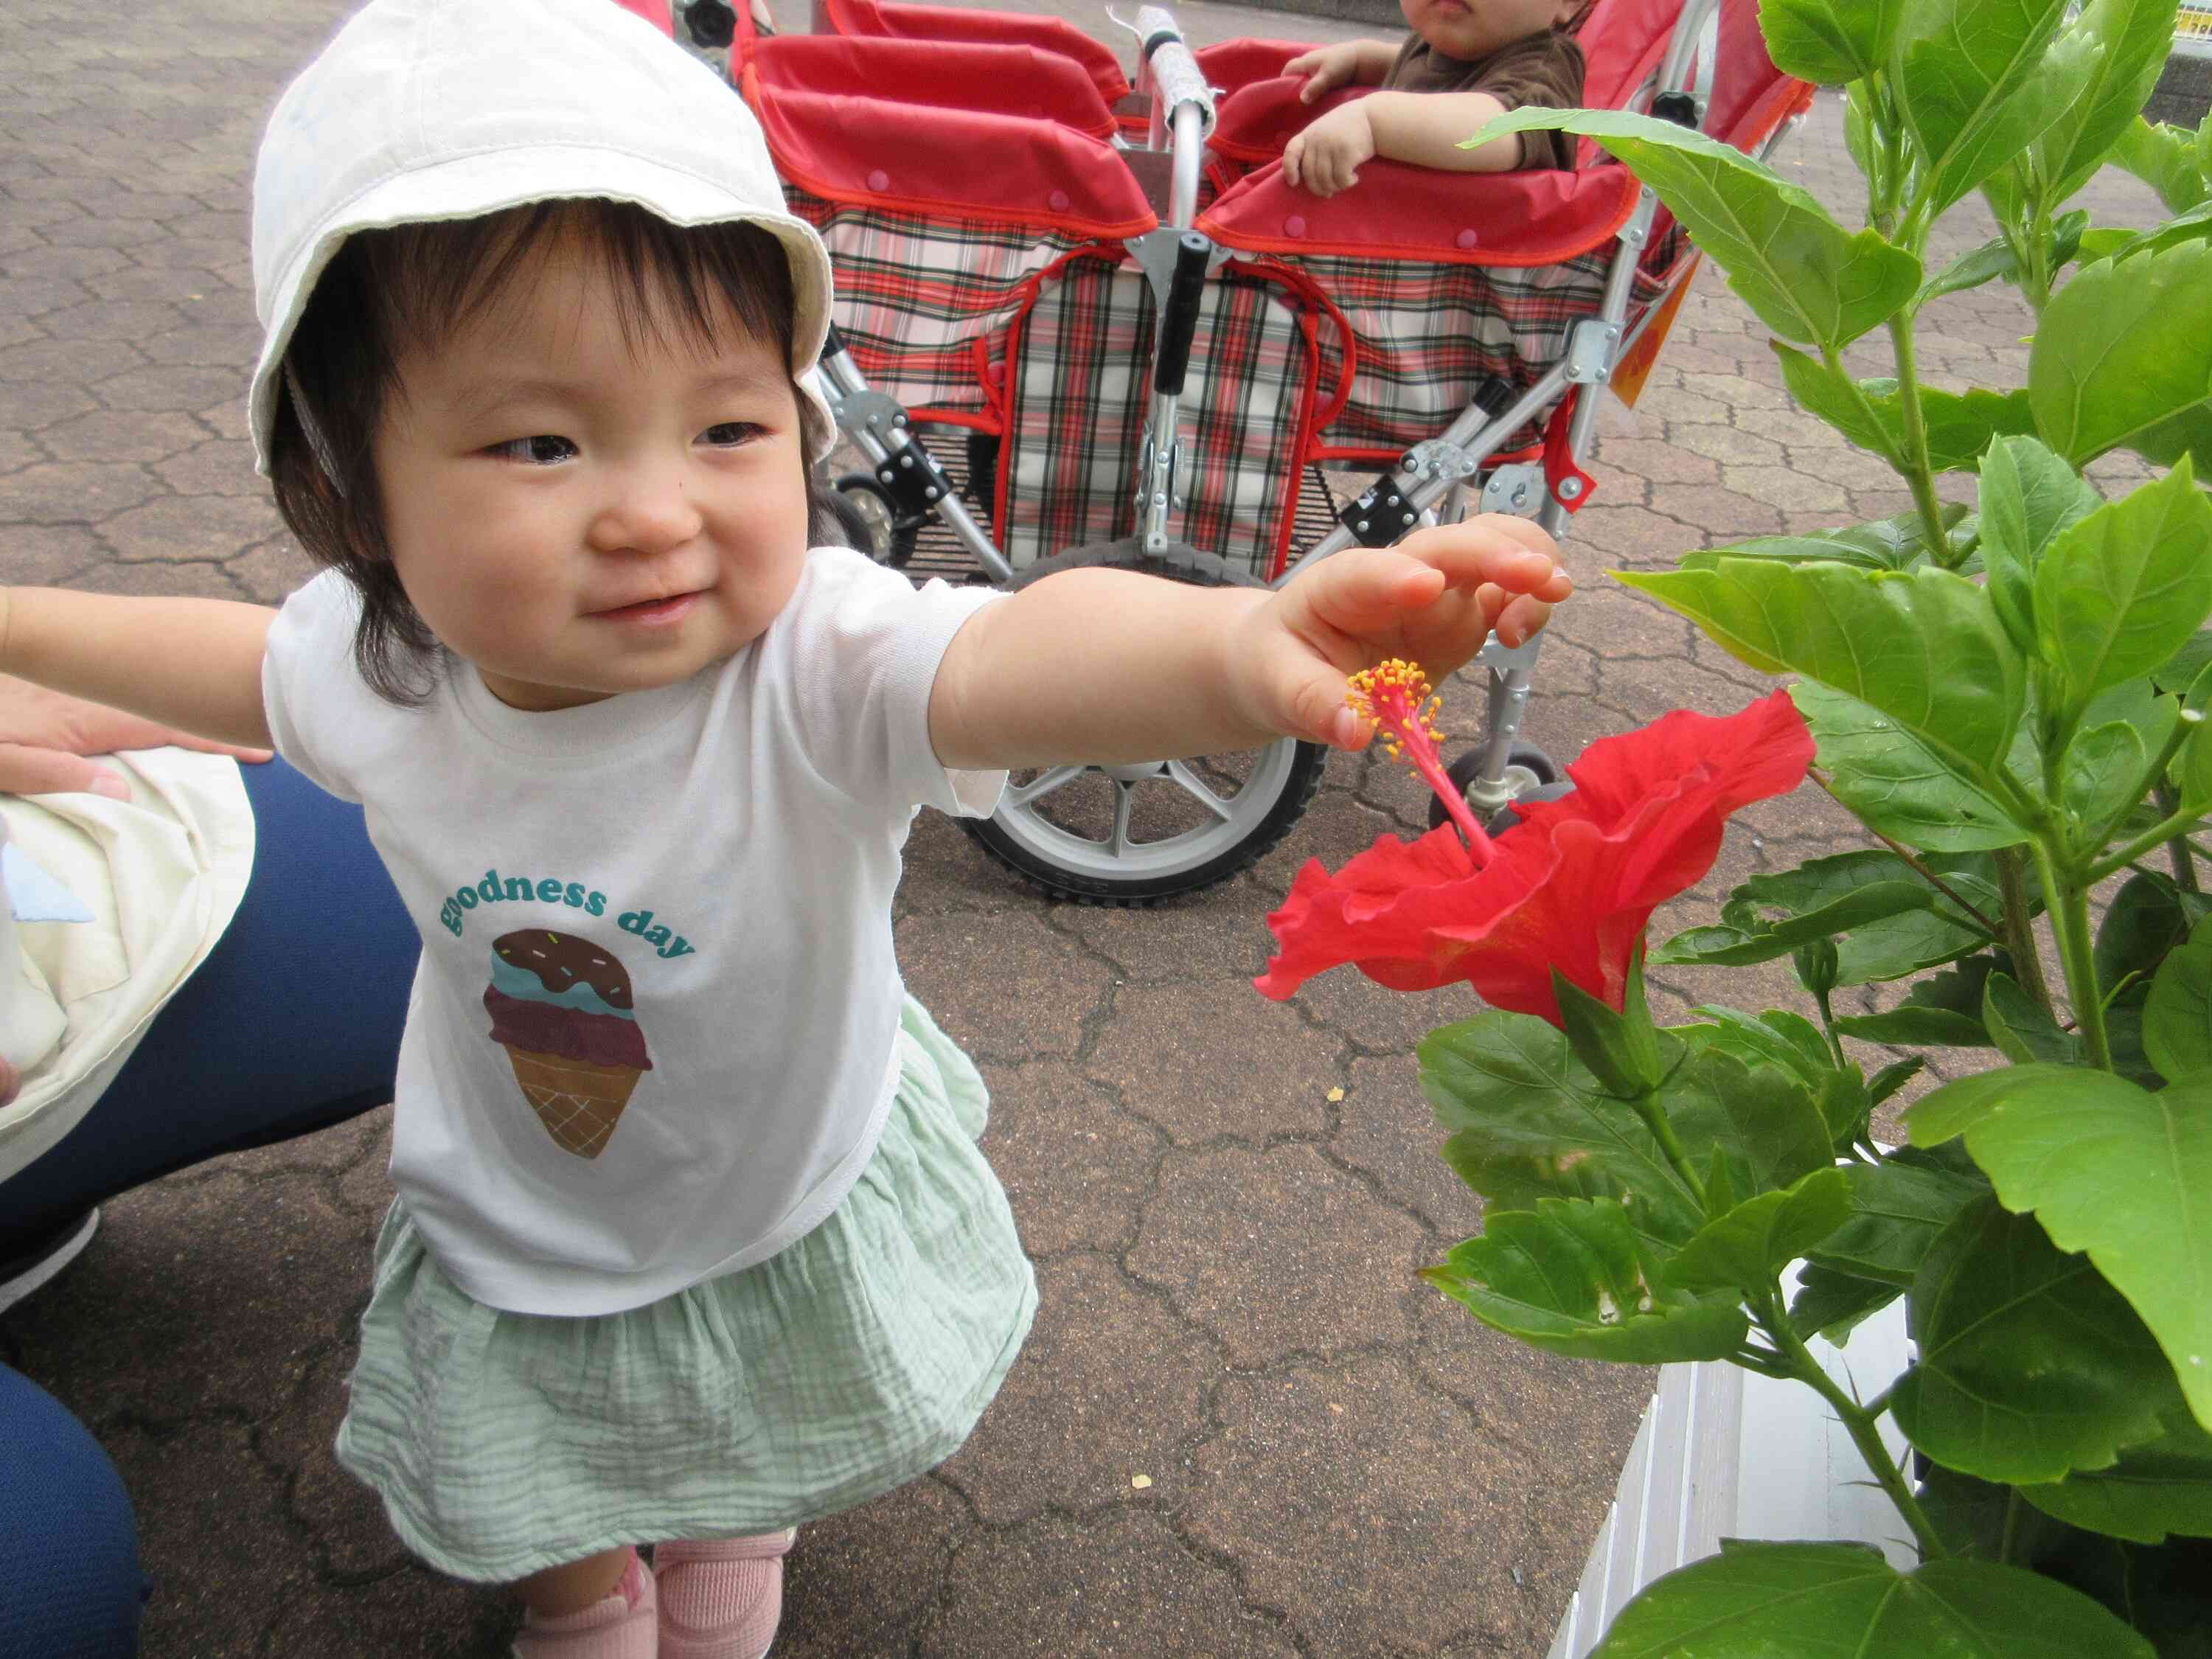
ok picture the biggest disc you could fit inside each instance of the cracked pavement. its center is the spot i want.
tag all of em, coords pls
(1243, 1427)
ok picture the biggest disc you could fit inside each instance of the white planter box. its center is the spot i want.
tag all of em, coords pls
(1724, 1453)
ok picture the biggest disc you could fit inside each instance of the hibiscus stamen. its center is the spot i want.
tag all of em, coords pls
(1395, 696)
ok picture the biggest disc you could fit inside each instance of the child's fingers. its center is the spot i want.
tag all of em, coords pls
(1294, 155)
(1495, 547)
(1521, 620)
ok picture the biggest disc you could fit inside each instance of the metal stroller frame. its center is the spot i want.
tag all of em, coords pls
(1438, 480)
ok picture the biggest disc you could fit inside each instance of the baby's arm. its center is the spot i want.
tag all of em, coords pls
(1107, 666)
(192, 664)
(1424, 128)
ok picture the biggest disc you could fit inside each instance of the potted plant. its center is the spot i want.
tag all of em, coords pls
(2011, 696)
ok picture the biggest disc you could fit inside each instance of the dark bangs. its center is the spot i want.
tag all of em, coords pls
(415, 285)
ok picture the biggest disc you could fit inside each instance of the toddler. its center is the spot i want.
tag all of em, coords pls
(692, 1242)
(1469, 61)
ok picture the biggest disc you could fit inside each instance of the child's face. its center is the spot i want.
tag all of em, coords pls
(1472, 29)
(579, 514)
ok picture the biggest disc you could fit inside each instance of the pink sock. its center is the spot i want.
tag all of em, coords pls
(720, 1600)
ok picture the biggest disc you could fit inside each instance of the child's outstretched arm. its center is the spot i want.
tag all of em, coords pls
(1348, 63)
(191, 664)
(1108, 666)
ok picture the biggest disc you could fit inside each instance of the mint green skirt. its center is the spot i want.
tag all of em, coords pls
(858, 1359)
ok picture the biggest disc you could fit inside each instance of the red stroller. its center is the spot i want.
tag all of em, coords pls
(1072, 315)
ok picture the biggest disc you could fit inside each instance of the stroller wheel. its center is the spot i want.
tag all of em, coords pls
(1529, 773)
(1134, 835)
(870, 519)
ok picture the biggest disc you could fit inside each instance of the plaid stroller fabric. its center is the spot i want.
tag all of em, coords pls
(985, 281)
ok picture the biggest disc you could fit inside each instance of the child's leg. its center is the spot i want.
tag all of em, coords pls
(600, 1607)
(574, 1585)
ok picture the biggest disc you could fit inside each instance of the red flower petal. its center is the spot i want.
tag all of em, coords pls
(1571, 888)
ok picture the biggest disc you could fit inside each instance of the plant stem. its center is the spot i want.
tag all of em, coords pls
(2019, 927)
(1828, 1025)
(2066, 902)
(1860, 1422)
(1917, 473)
(2177, 849)
(1662, 1131)
(2014, 1503)
(2165, 830)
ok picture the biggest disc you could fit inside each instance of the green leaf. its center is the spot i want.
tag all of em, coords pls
(2030, 1365)
(1831, 1304)
(1892, 922)
(2157, 1488)
(2022, 1028)
(1965, 77)
(2102, 776)
(2165, 158)
(2109, 1168)
(1893, 1077)
(2135, 36)
(1923, 647)
(1890, 543)
(1897, 1210)
(2122, 589)
(1896, 783)
(1746, 1249)
(1527, 1120)
(1991, 260)
(1908, 1026)
(1829, 42)
(1807, 278)
(2028, 496)
(1764, 1117)
(2182, 671)
(2178, 1018)
(2143, 922)
(2123, 353)
(1777, 1038)
(1572, 1278)
(1756, 1601)
(1621, 1050)
(1958, 426)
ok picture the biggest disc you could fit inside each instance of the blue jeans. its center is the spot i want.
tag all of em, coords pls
(290, 1025)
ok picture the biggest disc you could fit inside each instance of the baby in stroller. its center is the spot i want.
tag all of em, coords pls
(1465, 63)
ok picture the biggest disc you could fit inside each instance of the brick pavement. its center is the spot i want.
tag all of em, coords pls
(1242, 1428)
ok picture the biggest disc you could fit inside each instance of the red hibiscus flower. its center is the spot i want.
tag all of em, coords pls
(1571, 887)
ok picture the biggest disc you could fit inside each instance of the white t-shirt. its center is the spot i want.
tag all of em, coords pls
(651, 1035)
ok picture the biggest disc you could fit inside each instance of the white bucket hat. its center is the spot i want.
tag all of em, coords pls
(451, 109)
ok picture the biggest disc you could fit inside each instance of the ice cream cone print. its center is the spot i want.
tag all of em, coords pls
(560, 1005)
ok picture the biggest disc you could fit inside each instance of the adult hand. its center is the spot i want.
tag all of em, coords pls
(1325, 158)
(45, 738)
(1432, 599)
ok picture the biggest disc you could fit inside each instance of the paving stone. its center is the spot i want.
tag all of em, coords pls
(1618, 622)
(1110, 1380)
(1389, 1133)
(1645, 688)
(1122, 1588)
(1366, 1509)
(190, 526)
(1171, 940)
(1810, 502)
(1654, 460)
(74, 492)
(1076, 1168)
(1278, 1253)
(269, 570)
(1213, 1059)
(182, 387)
(216, 466)
(858, 1582)
(43, 555)
(102, 436)
(964, 967)
(341, 1515)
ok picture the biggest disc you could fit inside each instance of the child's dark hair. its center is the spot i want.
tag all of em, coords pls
(385, 289)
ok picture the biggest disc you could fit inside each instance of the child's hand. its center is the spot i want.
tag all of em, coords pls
(1325, 158)
(1433, 598)
(1326, 68)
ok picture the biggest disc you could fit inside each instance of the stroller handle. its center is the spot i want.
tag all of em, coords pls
(1179, 316)
(1176, 78)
